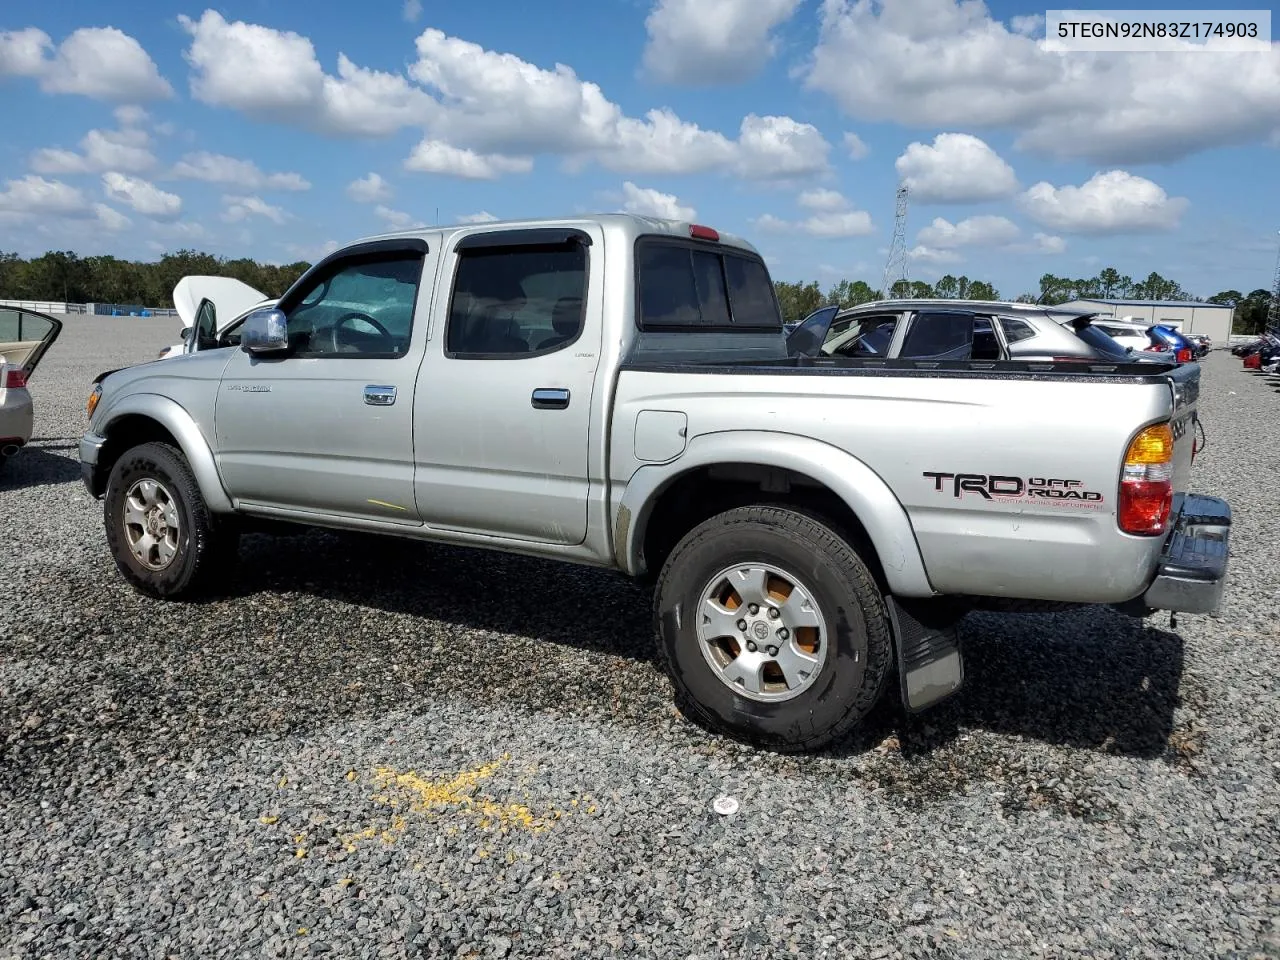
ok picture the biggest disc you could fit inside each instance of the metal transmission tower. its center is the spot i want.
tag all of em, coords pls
(1273, 314)
(895, 269)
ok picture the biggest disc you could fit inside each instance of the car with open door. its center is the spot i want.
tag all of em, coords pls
(208, 307)
(955, 330)
(25, 337)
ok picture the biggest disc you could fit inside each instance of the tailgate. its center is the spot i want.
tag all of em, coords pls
(1184, 385)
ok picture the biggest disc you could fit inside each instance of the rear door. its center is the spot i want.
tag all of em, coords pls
(25, 337)
(502, 416)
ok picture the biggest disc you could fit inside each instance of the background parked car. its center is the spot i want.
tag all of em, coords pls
(208, 307)
(937, 329)
(25, 337)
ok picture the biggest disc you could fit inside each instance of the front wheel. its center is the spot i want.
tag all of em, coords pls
(772, 628)
(164, 540)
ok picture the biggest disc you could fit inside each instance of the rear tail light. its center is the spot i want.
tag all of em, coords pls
(13, 379)
(1184, 355)
(1146, 482)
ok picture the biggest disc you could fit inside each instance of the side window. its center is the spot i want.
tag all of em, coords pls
(939, 336)
(861, 336)
(206, 332)
(516, 301)
(361, 308)
(1015, 330)
(685, 286)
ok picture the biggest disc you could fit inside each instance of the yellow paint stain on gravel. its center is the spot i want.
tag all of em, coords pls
(410, 794)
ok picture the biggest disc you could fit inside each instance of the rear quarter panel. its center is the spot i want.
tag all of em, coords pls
(937, 441)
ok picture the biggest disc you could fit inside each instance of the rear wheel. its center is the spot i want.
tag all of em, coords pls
(772, 628)
(165, 541)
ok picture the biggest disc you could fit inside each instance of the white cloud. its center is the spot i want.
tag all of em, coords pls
(930, 255)
(411, 10)
(141, 195)
(983, 231)
(702, 42)
(33, 199)
(822, 199)
(1111, 202)
(828, 224)
(956, 168)
(240, 208)
(396, 219)
(99, 62)
(477, 103)
(1046, 243)
(370, 188)
(647, 202)
(126, 149)
(130, 115)
(435, 156)
(948, 63)
(855, 147)
(218, 168)
(274, 74)
(779, 147)
(484, 216)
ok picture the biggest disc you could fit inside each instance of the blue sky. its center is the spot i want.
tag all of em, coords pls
(279, 129)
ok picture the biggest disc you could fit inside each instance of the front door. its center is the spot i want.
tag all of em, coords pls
(328, 427)
(503, 416)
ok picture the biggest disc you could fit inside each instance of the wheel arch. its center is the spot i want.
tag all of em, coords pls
(148, 417)
(719, 471)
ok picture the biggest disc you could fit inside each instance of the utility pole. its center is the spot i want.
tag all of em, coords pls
(895, 268)
(1273, 313)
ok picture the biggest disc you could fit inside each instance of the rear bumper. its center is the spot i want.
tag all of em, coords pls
(1192, 571)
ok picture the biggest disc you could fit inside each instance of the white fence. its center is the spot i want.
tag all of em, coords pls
(101, 309)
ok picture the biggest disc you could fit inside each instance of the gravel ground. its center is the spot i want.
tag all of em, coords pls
(454, 754)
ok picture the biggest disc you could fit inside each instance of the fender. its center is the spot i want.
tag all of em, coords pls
(849, 478)
(174, 418)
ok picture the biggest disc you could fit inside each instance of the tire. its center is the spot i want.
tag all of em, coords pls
(200, 550)
(803, 715)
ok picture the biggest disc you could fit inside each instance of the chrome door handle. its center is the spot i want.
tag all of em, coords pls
(378, 396)
(550, 398)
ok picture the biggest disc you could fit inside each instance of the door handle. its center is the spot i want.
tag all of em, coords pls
(550, 398)
(379, 396)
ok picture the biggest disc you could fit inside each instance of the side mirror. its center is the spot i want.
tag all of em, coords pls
(264, 331)
(186, 333)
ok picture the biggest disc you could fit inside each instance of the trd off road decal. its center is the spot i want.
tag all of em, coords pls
(1041, 491)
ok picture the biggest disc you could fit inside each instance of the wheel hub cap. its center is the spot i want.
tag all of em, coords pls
(761, 632)
(151, 525)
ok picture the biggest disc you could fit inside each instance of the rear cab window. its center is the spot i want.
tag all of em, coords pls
(699, 286)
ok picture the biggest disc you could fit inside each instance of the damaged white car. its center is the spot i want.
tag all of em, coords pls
(209, 307)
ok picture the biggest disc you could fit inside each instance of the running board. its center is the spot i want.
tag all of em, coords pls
(930, 667)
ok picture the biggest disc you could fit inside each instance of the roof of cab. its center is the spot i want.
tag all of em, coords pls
(627, 226)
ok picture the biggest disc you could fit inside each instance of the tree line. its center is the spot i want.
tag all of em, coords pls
(63, 276)
(798, 300)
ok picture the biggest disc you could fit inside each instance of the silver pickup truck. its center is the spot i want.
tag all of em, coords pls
(617, 391)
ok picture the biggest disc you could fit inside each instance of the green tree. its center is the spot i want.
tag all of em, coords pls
(947, 287)
(797, 300)
(851, 293)
(981, 290)
(1251, 312)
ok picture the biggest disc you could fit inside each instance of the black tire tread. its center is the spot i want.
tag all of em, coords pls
(813, 531)
(213, 544)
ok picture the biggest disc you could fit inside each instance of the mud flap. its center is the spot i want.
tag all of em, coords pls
(930, 667)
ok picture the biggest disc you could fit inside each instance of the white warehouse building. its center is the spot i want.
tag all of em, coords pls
(1190, 316)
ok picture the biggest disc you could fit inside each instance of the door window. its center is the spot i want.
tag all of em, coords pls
(940, 336)
(359, 308)
(861, 336)
(206, 332)
(691, 287)
(516, 301)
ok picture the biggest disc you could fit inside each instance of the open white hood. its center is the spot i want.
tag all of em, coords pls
(230, 297)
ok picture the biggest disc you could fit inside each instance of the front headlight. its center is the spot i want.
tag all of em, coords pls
(91, 404)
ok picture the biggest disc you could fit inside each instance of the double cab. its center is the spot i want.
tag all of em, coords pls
(617, 391)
